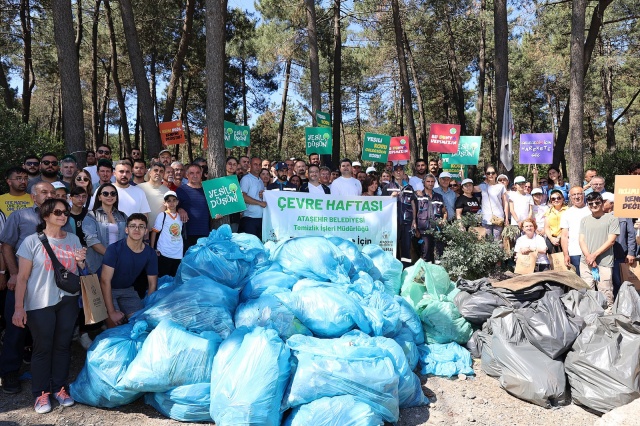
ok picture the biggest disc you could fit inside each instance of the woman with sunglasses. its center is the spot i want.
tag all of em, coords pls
(82, 179)
(552, 219)
(556, 181)
(49, 312)
(104, 225)
(495, 207)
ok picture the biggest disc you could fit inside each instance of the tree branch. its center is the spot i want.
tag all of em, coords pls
(627, 108)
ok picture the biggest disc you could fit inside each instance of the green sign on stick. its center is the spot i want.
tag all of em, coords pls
(236, 135)
(318, 140)
(468, 151)
(375, 147)
(323, 119)
(223, 195)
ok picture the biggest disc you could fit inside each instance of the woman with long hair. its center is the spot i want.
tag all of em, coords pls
(81, 178)
(495, 207)
(103, 225)
(556, 181)
(552, 218)
(370, 186)
(49, 311)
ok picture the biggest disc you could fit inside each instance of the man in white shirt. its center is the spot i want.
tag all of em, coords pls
(346, 185)
(131, 199)
(520, 203)
(103, 152)
(570, 225)
(155, 191)
(420, 172)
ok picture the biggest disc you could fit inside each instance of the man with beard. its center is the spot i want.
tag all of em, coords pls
(32, 166)
(102, 153)
(301, 170)
(91, 158)
(314, 158)
(281, 184)
(434, 169)
(49, 168)
(136, 154)
(139, 171)
(420, 172)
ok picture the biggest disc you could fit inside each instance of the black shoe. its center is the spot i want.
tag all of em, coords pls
(26, 355)
(11, 383)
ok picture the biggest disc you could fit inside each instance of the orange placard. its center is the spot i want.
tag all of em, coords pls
(626, 202)
(171, 133)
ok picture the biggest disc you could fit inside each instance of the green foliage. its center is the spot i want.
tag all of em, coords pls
(18, 140)
(465, 255)
(610, 164)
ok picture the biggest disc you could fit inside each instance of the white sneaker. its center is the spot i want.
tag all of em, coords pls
(85, 341)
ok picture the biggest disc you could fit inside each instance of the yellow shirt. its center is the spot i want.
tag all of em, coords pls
(10, 203)
(553, 216)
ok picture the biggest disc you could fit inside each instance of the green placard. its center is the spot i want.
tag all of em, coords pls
(323, 119)
(468, 151)
(318, 140)
(236, 135)
(223, 195)
(453, 168)
(375, 147)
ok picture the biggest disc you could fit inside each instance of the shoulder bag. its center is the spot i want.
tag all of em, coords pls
(65, 280)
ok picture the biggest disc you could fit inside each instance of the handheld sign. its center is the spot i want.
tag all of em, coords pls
(399, 149)
(236, 135)
(468, 151)
(171, 133)
(323, 119)
(626, 196)
(318, 140)
(536, 148)
(444, 138)
(375, 147)
(223, 195)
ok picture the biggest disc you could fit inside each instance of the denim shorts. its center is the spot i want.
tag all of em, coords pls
(126, 300)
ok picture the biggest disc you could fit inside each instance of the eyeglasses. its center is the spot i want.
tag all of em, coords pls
(82, 179)
(137, 227)
(454, 185)
(47, 162)
(20, 179)
(79, 196)
(556, 199)
(58, 212)
(543, 182)
(109, 193)
(490, 173)
(594, 203)
(103, 151)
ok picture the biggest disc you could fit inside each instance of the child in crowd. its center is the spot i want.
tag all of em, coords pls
(167, 231)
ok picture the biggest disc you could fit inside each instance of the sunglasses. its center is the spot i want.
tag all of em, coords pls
(109, 193)
(594, 203)
(81, 179)
(490, 173)
(543, 182)
(556, 198)
(104, 151)
(32, 163)
(58, 212)
(47, 162)
(454, 185)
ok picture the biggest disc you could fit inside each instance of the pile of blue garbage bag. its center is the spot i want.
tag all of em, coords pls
(309, 328)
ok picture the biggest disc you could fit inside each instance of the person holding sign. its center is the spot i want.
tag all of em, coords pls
(192, 206)
(531, 242)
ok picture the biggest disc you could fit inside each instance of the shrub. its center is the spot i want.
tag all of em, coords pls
(610, 164)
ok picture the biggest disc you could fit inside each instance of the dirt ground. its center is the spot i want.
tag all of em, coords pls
(477, 400)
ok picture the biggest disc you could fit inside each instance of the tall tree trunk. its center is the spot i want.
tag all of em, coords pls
(606, 74)
(178, 61)
(492, 126)
(422, 139)
(149, 126)
(28, 76)
(95, 108)
(404, 81)
(592, 136)
(337, 82)
(79, 28)
(103, 109)
(397, 109)
(358, 119)
(122, 107)
(314, 61)
(6, 89)
(477, 130)
(456, 79)
(153, 83)
(576, 91)
(501, 64)
(245, 114)
(68, 66)
(184, 116)
(283, 107)
(589, 44)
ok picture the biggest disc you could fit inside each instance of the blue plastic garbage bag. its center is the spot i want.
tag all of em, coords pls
(343, 410)
(171, 357)
(326, 311)
(258, 283)
(386, 266)
(383, 312)
(107, 360)
(442, 321)
(189, 403)
(247, 387)
(426, 278)
(165, 286)
(446, 360)
(410, 320)
(220, 259)
(333, 367)
(409, 347)
(312, 257)
(359, 262)
(199, 305)
(269, 312)
(409, 387)
(363, 284)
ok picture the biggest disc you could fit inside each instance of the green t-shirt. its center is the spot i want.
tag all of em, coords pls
(596, 231)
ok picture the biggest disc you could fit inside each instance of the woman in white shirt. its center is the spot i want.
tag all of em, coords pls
(531, 242)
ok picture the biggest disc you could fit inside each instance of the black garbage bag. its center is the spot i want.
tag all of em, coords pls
(628, 302)
(584, 303)
(603, 365)
(477, 307)
(502, 322)
(474, 345)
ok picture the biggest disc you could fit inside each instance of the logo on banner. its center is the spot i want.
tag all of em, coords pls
(223, 195)
(318, 140)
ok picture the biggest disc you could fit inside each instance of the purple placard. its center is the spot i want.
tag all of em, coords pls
(536, 148)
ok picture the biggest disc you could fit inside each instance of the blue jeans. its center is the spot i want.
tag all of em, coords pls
(575, 261)
(14, 337)
(616, 276)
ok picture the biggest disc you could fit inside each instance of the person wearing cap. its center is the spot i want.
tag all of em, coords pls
(68, 166)
(448, 195)
(553, 219)
(520, 203)
(397, 181)
(420, 171)
(281, 183)
(62, 193)
(165, 157)
(154, 190)
(166, 237)
(370, 170)
(504, 179)
(495, 206)
(430, 210)
(466, 202)
(539, 210)
(624, 248)
(346, 184)
(357, 167)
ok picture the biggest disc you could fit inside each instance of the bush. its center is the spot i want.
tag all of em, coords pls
(610, 164)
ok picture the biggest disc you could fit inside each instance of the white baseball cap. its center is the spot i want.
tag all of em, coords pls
(519, 179)
(356, 163)
(536, 191)
(467, 180)
(607, 196)
(370, 169)
(445, 175)
(170, 194)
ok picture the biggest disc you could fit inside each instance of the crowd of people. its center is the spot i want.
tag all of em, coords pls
(130, 222)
